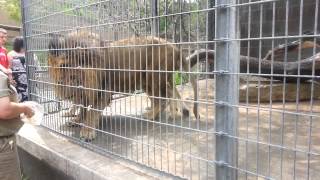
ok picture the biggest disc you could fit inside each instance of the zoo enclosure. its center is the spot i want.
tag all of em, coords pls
(271, 133)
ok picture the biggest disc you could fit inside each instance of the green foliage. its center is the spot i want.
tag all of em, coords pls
(9, 47)
(180, 78)
(24, 177)
(13, 8)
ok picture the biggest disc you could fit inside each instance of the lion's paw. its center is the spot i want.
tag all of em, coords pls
(87, 134)
(148, 115)
(74, 122)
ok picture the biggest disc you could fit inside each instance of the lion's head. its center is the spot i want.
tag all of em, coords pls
(69, 55)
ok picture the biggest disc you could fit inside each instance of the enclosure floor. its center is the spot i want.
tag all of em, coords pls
(185, 147)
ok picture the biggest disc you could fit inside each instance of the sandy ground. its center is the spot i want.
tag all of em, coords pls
(277, 140)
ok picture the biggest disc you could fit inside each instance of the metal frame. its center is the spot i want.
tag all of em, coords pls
(254, 138)
(226, 117)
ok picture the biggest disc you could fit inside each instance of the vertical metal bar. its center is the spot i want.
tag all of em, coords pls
(247, 91)
(297, 117)
(175, 135)
(180, 39)
(211, 23)
(270, 136)
(24, 27)
(155, 19)
(210, 19)
(284, 89)
(153, 3)
(226, 117)
(312, 99)
(261, 9)
(141, 55)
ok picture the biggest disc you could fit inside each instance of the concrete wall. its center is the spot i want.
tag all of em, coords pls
(45, 155)
(6, 20)
(36, 169)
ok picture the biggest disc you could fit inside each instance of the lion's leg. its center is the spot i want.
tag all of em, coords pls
(149, 108)
(155, 95)
(96, 103)
(91, 121)
(174, 93)
(185, 110)
(87, 132)
(71, 111)
(147, 90)
(75, 121)
(172, 101)
(92, 103)
(156, 90)
(158, 105)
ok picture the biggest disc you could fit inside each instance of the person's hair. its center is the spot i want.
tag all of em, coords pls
(3, 31)
(17, 44)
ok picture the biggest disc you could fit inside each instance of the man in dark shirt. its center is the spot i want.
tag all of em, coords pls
(9, 124)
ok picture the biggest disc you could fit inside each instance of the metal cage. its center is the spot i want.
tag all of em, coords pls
(108, 65)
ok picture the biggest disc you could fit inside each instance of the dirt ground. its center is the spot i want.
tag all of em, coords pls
(276, 140)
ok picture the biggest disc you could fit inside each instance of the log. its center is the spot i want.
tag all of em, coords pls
(292, 46)
(304, 90)
(281, 71)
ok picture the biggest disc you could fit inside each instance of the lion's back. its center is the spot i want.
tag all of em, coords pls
(158, 50)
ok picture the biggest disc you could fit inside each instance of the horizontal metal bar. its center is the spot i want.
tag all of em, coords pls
(212, 102)
(159, 147)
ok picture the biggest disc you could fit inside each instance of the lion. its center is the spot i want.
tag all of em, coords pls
(88, 73)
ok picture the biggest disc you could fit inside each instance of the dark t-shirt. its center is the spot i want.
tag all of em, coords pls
(8, 127)
(18, 66)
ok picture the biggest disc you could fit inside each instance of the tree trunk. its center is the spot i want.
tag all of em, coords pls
(281, 71)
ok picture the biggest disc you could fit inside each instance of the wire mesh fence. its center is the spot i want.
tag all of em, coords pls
(198, 89)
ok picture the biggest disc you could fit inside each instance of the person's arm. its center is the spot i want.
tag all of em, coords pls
(8, 72)
(5, 70)
(10, 110)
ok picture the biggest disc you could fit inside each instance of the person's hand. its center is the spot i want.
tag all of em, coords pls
(13, 82)
(28, 111)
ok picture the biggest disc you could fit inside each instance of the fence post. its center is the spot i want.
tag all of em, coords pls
(27, 54)
(227, 89)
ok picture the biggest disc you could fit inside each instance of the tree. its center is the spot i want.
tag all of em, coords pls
(13, 8)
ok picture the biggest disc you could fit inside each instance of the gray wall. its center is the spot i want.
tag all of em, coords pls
(35, 169)
(308, 22)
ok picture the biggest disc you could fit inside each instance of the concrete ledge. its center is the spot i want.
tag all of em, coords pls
(77, 162)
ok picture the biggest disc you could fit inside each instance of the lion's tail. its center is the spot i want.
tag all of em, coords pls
(198, 56)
